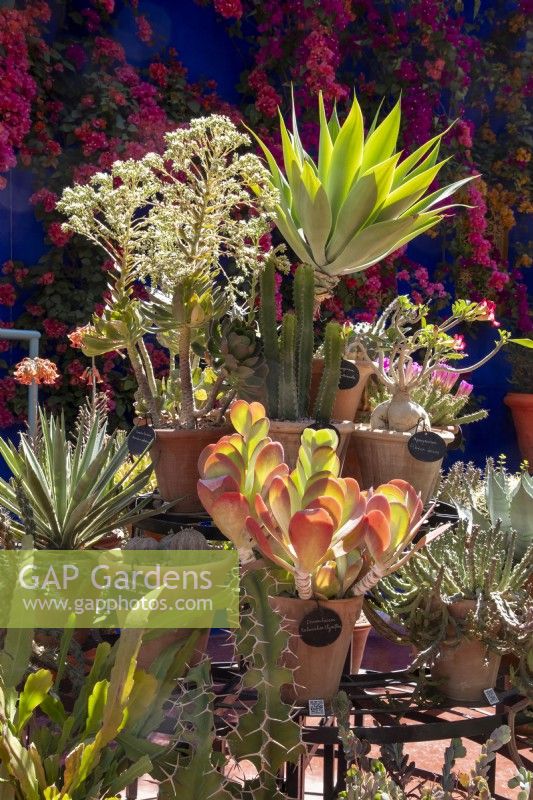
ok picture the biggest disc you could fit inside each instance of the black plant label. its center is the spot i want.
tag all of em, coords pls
(140, 439)
(349, 375)
(427, 446)
(320, 627)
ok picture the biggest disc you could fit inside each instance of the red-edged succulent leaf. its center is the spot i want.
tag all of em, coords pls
(376, 533)
(350, 540)
(208, 489)
(282, 470)
(241, 416)
(219, 464)
(326, 581)
(353, 497)
(229, 512)
(269, 459)
(257, 410)
(353, 521)
(263, 542)
(266, 517)
(310, 532)
(279, 501)
(329, 504)
(412, 498)
(378, 502)
(399, 524)
(390, 491)
(325, 485)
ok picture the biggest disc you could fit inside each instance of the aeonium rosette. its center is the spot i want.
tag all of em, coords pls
(332, 537)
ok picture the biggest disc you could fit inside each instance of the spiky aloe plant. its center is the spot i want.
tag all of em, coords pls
(290, 357)
(357, 202)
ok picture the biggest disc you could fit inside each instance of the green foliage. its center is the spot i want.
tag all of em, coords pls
(493, 496)
(461, 564)
(333, 351)
(238, 359)
(64, 491)
(356, 203)
(290, 357)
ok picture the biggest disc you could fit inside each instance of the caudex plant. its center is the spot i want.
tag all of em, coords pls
(402, 333)
(175, 222)
(357, 202)
(333, 539)
(289, 356)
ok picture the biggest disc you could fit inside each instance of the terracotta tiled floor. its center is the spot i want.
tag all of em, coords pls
(383, 656)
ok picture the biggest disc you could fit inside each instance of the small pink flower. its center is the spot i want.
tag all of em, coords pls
(486, 312)
(459, 342)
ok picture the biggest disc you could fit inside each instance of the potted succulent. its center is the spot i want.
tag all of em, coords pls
(520, 400)
(187, 224)
(492, 496)
(398, 440)
(329, 542)
(457, 603)
(289, 358)
(357, 202)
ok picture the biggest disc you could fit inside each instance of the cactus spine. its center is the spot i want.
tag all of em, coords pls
(288, 394)
(304, 297)
(269, 334)
(333, 351)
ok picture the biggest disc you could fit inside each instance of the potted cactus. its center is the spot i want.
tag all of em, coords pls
(289, 358)
(328, 542)
(407, 354)
(186, 224)
(357, 202)
(520, 400)
(459, 604)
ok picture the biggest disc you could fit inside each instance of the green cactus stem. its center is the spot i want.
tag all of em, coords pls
(269, 334)
(304, 296)
(333, 351)
(288, 395)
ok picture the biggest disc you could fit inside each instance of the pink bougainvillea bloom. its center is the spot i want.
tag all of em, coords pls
(7, 295)
(36, 370)
(229, 9)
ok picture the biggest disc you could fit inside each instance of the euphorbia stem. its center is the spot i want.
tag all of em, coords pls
(304, 586)
(187, 395)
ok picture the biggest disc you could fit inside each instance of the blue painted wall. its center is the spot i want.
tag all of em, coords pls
(208, 52)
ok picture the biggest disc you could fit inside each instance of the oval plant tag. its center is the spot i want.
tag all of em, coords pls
(426, 446)
(349, 375)
(320, 627)
(140, 439)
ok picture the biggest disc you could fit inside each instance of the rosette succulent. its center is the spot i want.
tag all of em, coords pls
(358, 201)
(333, 538)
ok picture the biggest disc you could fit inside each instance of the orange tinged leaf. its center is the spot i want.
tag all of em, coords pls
(376, 533)
(310, 532)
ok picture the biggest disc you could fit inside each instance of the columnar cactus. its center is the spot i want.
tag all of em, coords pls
(290, 358)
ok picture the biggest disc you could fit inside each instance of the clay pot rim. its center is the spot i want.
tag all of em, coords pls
(344, 426)
(364, 429)
(518, 399)
(333, 601)
(169, 433)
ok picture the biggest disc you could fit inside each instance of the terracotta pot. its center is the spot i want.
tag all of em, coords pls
(347, 401)
(289, 433)
(379, 456)
(175, 455)
(152, 649)
(317, 670)
(464, 670)
(359, 638)
(521, 406)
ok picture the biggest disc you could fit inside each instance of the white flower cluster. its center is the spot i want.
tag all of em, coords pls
(199, 209)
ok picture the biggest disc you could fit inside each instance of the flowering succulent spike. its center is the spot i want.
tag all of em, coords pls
(235, 469)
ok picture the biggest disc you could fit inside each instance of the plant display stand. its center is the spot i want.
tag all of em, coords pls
(381, 705)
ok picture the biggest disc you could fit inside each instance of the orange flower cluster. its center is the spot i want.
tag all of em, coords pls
(76, 336)
(36, 370)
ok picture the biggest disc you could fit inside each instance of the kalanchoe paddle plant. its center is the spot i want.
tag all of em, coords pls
(188, 223)
(333, 538)
(404, 333)
(358, 201)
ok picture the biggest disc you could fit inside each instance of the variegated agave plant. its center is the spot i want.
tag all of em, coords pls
(333, 538)
(358, 202)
